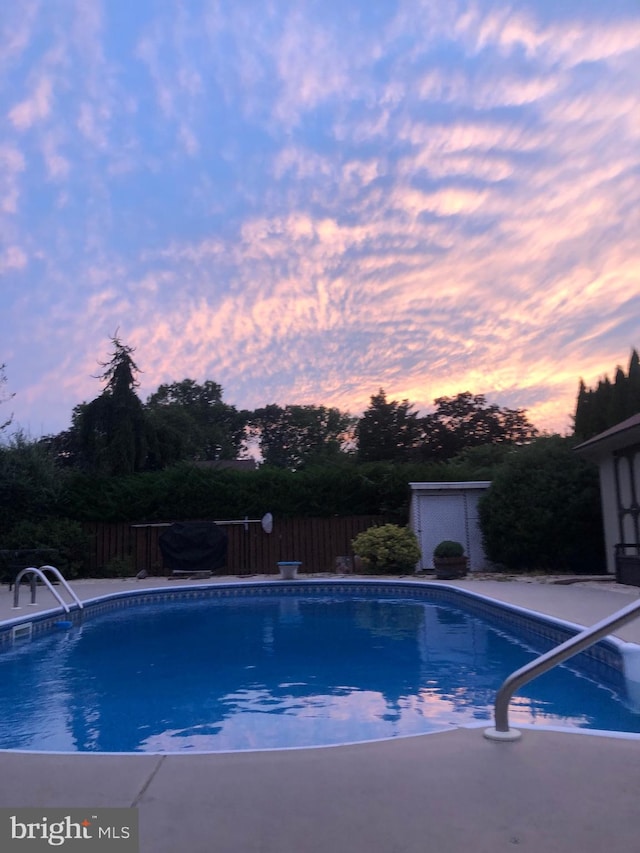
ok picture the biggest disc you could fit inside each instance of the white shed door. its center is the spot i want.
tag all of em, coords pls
(475, 551)
(441, 517)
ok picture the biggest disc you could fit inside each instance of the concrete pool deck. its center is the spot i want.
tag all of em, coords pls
(550, 792)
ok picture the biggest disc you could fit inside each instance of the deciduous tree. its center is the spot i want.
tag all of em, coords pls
(293, 436)
(467, 420)
(194, 421)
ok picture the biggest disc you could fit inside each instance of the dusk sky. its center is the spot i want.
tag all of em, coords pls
(307, 201)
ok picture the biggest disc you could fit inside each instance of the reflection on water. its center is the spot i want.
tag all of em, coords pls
(258, 673)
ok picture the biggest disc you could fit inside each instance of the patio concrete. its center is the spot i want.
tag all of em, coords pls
(453, 791)
(447, 792)
(581, 603)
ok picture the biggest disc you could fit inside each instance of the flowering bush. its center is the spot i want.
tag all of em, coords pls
(388, 548)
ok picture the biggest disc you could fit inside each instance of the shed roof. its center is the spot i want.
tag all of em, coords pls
(624, 434)
(451, 485)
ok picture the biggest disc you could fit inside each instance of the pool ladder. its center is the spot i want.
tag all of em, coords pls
(41, 574)
(547, 661)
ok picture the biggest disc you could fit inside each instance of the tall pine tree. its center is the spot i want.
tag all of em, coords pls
(112, 429)
(633, 385)
(388, 431)
(609, 403)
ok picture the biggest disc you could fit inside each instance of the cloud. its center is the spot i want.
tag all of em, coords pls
(13, 258)
(305, 206)
(35, 108)
(15, 31)
(13, 164)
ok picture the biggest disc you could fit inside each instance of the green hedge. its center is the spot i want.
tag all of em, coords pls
(542, 511)
(188, 492)
(64, 536)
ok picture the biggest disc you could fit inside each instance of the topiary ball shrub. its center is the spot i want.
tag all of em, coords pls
(449, 560)
(448, 548)
(388, 549)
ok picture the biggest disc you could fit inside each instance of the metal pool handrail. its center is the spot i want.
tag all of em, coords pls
(40, 573)
(547, 661)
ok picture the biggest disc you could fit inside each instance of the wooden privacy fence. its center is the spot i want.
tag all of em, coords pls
(316, 542)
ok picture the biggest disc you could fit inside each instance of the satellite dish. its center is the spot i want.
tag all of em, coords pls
(267, 522)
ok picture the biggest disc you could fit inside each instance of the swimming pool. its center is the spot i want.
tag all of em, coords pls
(289, 665)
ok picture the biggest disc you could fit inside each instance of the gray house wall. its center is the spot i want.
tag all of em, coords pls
(617, 454)
(608, 503)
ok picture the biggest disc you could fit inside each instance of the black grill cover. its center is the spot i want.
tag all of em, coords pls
(194, 546)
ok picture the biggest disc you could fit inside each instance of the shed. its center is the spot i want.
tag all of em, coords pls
(617, 454)
(448, 511)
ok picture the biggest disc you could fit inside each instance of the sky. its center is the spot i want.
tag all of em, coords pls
(308, 200)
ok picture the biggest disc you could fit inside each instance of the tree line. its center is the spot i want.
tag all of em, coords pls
(117, 434)
(608, 403)
(125, 460)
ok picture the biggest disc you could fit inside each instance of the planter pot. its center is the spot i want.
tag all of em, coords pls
(289, 569)
(449, 568)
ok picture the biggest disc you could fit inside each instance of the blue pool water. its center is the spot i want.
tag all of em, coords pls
(282, 671)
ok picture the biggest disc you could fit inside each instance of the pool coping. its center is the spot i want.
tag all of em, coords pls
(46, 619)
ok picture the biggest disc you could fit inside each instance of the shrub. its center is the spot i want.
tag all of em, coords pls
(542, 511)
(31, 484)
(189, 492)
(448, 548)
(388, 548)
(117, 567)
(66, 537)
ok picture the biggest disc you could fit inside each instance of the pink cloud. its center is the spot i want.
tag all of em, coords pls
(35, 108)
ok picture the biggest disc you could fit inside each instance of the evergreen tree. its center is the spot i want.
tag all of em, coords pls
(388, 431)
(609, 403)
(112, 431)
(633, 385)
(618, 404)
(583, 420)
(603, 400)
